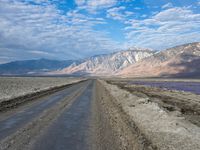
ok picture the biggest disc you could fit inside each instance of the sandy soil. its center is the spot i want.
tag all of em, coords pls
(183, 104)
(148, 123)
(113, 129)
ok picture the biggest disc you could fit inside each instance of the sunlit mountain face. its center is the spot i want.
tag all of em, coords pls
(77, 29)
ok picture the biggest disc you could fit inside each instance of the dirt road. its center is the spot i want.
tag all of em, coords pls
(95, 115)
(57, 121)
(71, 128)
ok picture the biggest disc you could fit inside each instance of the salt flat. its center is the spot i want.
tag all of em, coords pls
(11, 87)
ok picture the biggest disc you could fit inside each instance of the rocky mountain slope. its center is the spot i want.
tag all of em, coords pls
(180, 61)
(107, 64)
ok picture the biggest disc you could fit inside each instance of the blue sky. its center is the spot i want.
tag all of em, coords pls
(74, 29)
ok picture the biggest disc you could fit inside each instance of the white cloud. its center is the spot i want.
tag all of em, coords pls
(101, 3)
(115, 13)
(165, 29)
(93, 6)
(44, 31)
(177, 14)
(128, 13)
(80, 2)
(168, 5)
(40, 53)
(118, 13)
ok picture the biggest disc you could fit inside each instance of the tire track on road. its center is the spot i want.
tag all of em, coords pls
(71, 130)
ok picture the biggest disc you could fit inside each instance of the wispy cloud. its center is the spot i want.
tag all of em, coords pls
(119, 13)
(93, 6)
(40, 53)
(80, 2)
(167, 28)
(168, 5)
(115, 13)
(101, 3)
(25, 28)
(70, 29)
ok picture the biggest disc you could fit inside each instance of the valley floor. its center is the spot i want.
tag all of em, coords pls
(104, 115)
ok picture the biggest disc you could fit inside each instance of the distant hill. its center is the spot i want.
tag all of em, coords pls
(179, 61)
(33, 66)
(107, 64)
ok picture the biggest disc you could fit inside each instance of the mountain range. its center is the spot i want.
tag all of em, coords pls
(33, 66)
(179, 61)
(107, 65)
